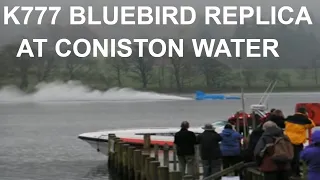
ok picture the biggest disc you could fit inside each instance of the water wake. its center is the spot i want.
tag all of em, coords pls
(74, 91)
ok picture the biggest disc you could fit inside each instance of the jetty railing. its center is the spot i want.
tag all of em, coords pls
(146, 162)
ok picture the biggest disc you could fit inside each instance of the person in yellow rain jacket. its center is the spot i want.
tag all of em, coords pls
(296, 127)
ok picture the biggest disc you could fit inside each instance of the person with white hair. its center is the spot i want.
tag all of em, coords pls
(265, 150)
(269, 124)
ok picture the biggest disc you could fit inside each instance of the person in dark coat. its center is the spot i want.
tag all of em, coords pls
(271, 170)
(210, 150)
(266, 117)
(185, 142)
(230, 146)
(311, 156)
(253, 140)
(278, 118)
(275, 116)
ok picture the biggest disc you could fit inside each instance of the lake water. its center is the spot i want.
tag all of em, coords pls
(38, 137)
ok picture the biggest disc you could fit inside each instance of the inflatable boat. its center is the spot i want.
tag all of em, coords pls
(199, 95)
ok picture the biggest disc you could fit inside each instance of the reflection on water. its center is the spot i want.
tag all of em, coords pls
(64, 170)
(98, 171)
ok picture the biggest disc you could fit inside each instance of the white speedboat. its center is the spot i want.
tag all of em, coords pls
(99, 140)
(160, 136)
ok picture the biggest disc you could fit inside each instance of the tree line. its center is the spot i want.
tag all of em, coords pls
(297, 65)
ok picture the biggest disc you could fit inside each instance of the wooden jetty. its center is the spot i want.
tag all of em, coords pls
(130, 162)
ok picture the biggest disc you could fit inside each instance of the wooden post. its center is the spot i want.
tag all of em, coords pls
(125, 160)
(111, 138)
(120, 162)
(196, 163)
(146, 142)
(130, 163)
(144, 156)
(137, 164)
(175, 175)
(163, 173)
(154, 170)
(166, 155)
(116, 153)
(254, 120)
(245, 120)
(174, 158)
(147, 167)
(156, 151)
(238, 123)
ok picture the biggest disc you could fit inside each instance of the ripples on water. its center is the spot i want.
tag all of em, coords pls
(38, 141)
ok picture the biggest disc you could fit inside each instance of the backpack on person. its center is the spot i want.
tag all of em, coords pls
(283, 150)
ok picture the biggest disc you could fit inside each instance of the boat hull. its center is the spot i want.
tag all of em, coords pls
(100, 146)
(160, 136)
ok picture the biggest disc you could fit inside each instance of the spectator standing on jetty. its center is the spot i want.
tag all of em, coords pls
(275, 116)
(296, 127)
(210, 150)
(230, 146)
(185, 142)
(253, 140)
(311, 156)
(274, 153)
(278, 118)
(266, 117)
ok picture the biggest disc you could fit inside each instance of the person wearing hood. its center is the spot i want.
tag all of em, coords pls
(230, 146)
(311, 156)
(263, 152)
(278, 118)
(266, 117)
(209, 150)
(253, 140)
(296, 127)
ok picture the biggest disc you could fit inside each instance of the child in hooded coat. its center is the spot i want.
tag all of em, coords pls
(311, 156)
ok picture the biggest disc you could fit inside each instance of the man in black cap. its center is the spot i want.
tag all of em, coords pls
(185, 142)
(210, 150)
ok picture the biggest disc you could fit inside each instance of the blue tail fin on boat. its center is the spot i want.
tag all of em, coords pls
(199, 93)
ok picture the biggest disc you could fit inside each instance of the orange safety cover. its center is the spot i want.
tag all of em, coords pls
(313, 110)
